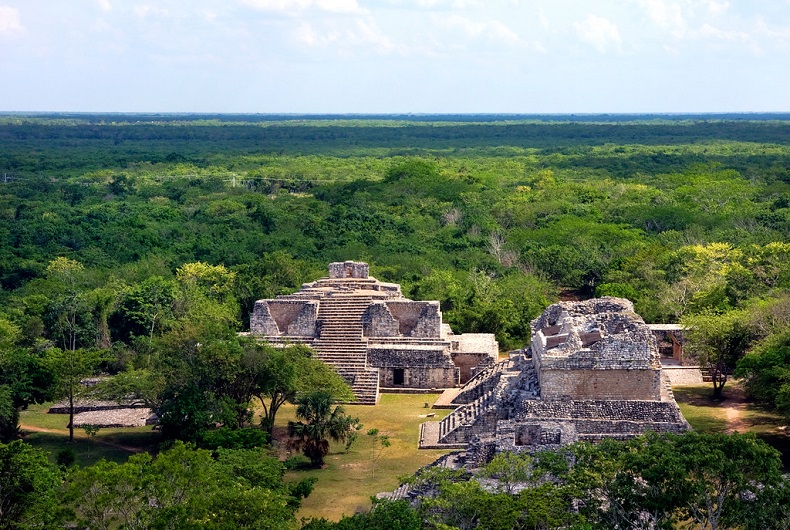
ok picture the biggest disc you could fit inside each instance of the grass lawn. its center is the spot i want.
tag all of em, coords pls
(348, 480)
(733, 413)
(699, 409)
(708, 415)
(50, 432)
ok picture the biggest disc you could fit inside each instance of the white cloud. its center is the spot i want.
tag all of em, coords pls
(104, 5)
(441, 4)
(780, 35)
(709, 32)
(144, 10)
(208, 15)
(363, 35)
(278, 5)
(667, 15)
(715, 7)
(338, 6)
(307, 34)
(492, 28)
(369, 33)
(10, 21)
(297, 6)
(600, 32)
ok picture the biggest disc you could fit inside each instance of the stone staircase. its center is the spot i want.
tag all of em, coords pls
(485, 392)
(483, 382)
(456, 427)
(340, 343)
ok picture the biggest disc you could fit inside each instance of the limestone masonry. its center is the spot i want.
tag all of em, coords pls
(591, 371)
(372, 334)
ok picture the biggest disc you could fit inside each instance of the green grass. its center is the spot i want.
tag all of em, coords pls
(700, 410)
(50, 432)
(708, 415)
(348, 480)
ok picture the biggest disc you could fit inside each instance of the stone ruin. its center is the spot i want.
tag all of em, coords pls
(374, 336)
(591, 371)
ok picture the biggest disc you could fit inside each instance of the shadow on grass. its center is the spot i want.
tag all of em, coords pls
(144, 440)
(86, 450)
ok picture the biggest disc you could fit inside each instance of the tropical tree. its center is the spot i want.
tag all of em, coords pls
(509, 470)
(23, 379)
(29, 485)
(717, 340)
(69, 311)
(766, 372)
(724, 474)
(281, 375)
(319, 423)
(69, 368)
(186, 488)
(147, 307)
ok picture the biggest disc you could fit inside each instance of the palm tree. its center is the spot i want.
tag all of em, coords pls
(320, 423)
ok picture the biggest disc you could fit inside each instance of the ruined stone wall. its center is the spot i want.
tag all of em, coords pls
(429, 324)
(600, 384)
(261, 321)
(484, 343)
(417, 319)
(304, 325)
(516, 437)
(469, 363)
(421, 366)
(348, 269)
(377, 321)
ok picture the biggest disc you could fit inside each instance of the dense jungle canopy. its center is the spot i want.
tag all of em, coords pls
(134, 246)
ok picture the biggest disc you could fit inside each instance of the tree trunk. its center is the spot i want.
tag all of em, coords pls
(71, 415)
(719, 379)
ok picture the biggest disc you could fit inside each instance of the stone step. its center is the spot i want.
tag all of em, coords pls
(346, 364)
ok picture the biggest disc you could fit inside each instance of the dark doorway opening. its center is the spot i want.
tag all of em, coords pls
(397, 376)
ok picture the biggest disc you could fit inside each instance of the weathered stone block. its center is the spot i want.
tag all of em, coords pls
(377, 321)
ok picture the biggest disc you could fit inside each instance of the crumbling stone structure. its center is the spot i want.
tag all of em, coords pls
(591, 371)
(670, 339)
(373, 335)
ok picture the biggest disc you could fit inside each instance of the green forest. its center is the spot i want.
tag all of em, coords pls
(134, 247)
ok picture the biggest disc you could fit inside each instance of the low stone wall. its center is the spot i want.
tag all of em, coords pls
(108, 419)
(683, 375)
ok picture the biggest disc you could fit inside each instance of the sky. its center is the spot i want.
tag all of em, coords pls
(395, 56)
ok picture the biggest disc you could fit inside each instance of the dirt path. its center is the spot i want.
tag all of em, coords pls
(31, 428)
(734, 406)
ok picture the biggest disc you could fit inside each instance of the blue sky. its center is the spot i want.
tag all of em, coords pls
(394, 56)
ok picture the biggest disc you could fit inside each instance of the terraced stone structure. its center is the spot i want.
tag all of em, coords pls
(372, 334)
(591, 371)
